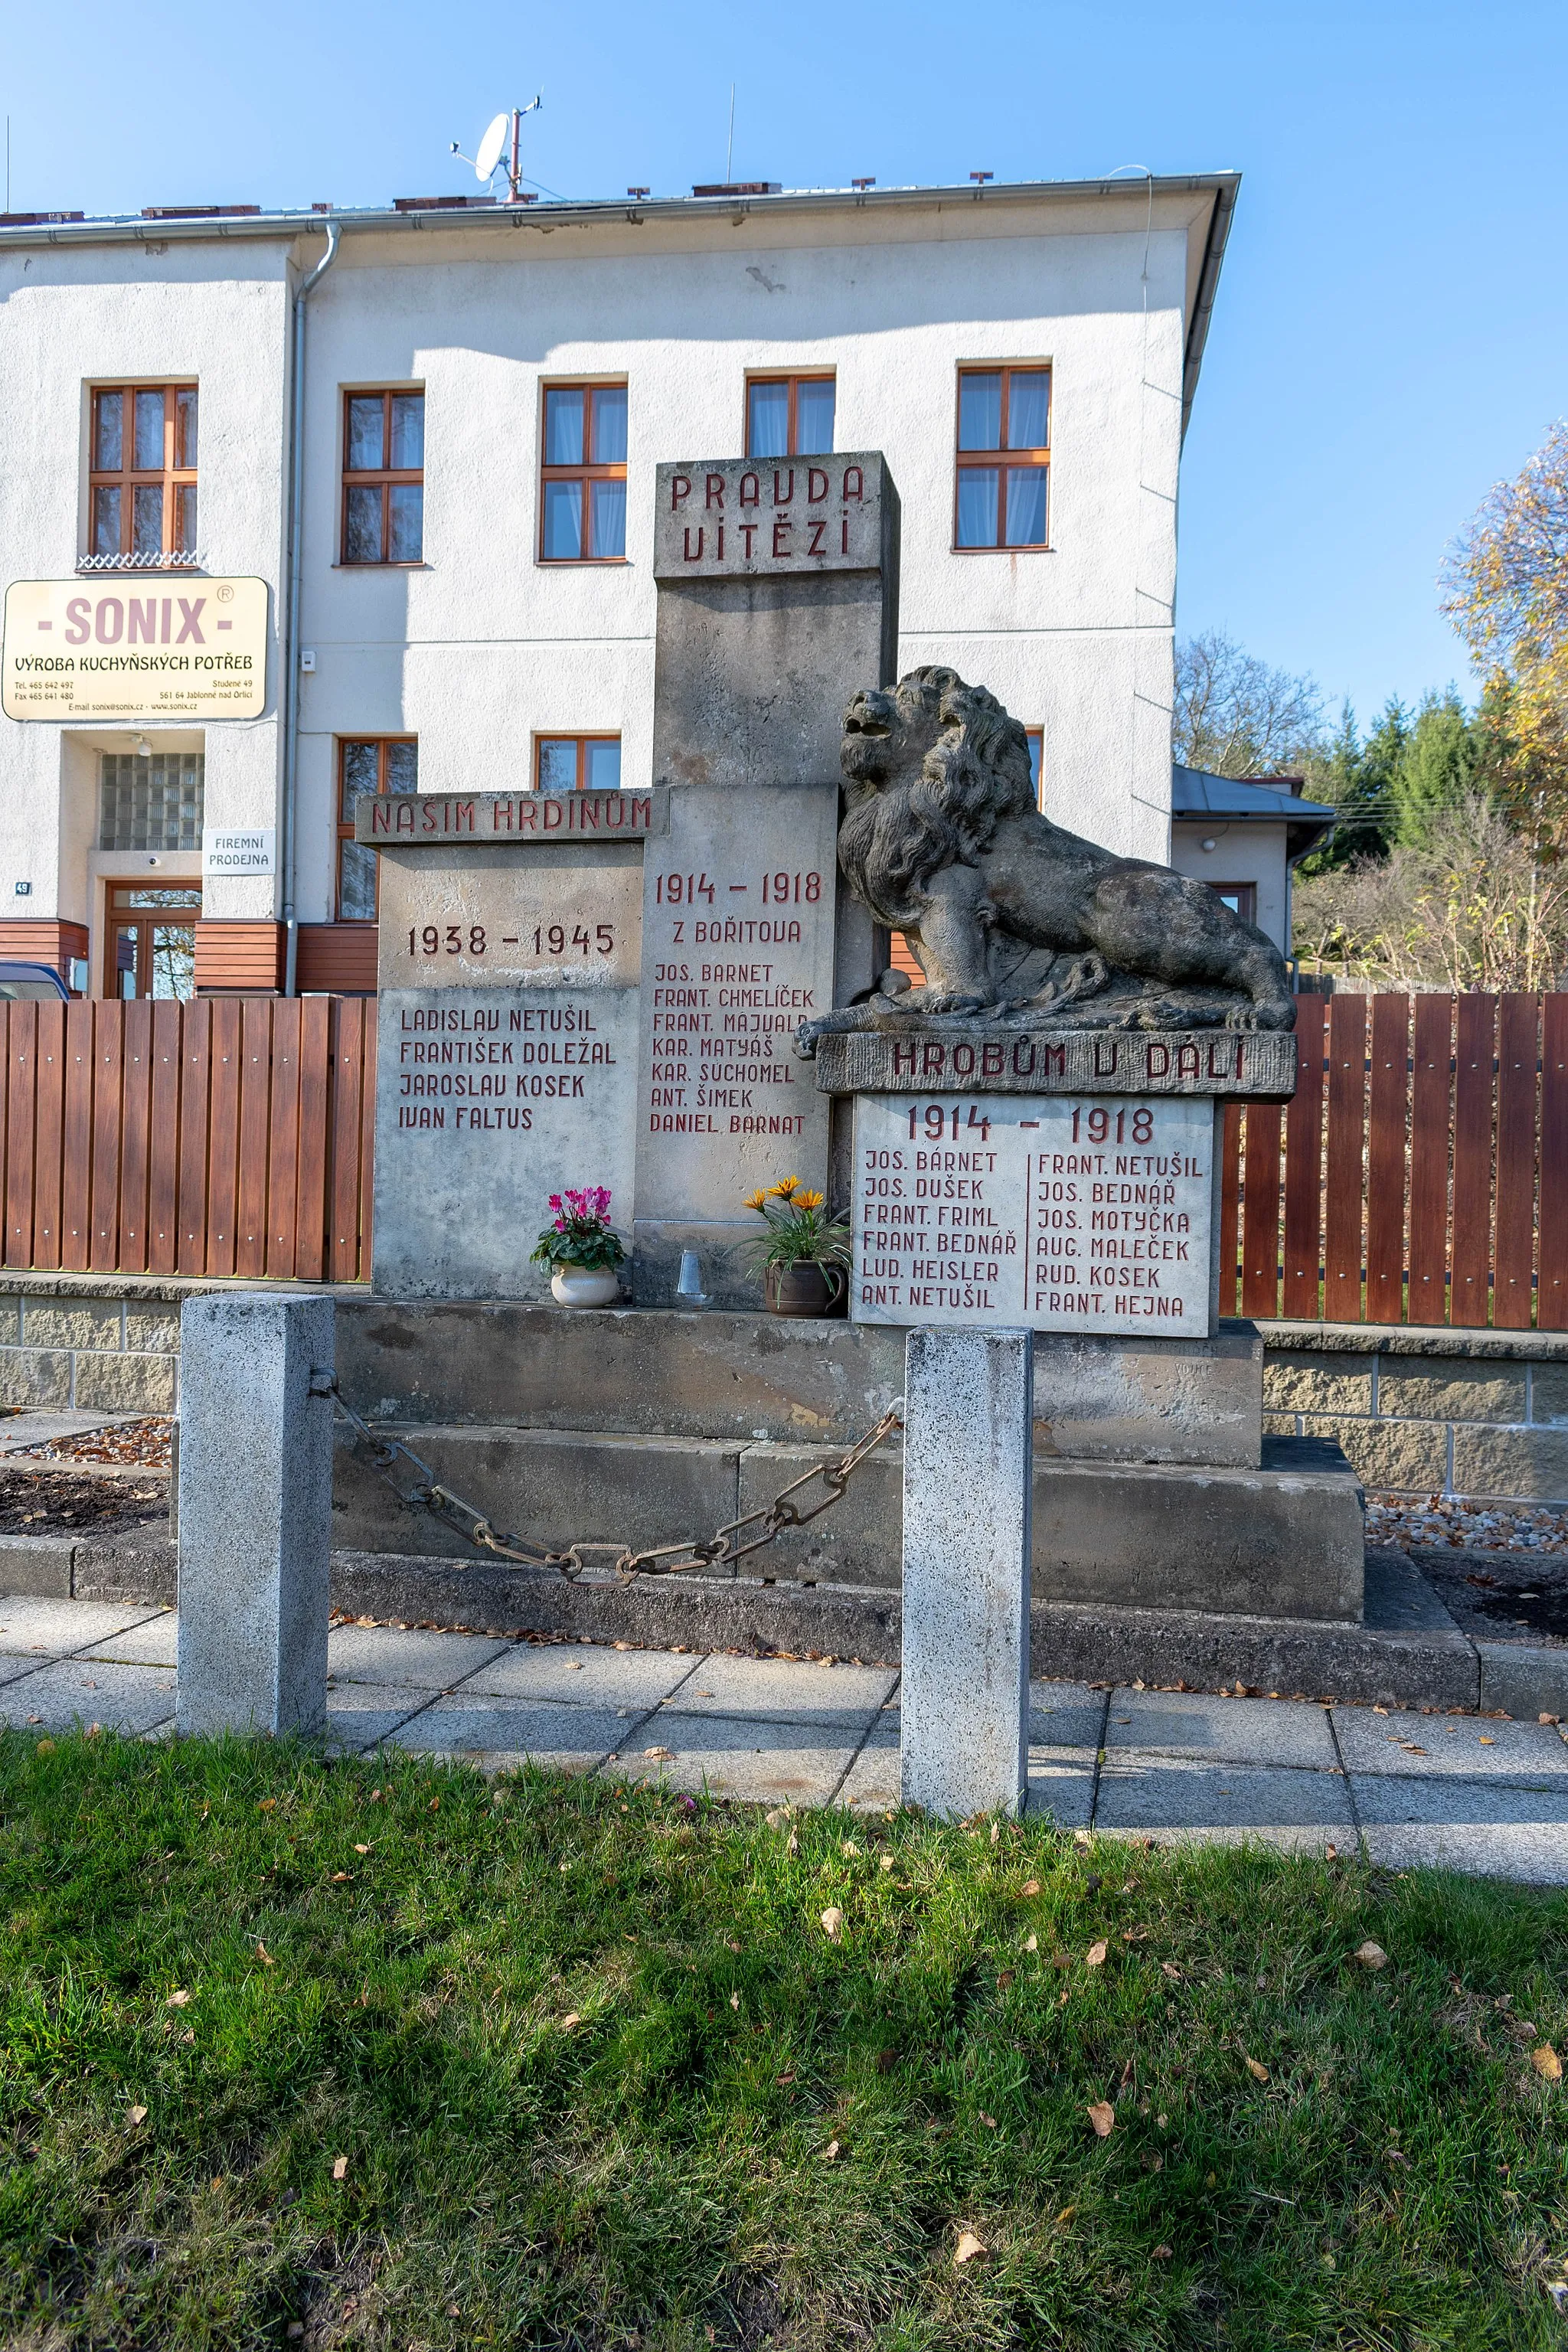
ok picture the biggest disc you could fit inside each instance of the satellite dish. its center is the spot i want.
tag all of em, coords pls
(490, 146)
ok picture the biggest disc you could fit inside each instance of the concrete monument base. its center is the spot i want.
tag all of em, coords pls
(1152, 1486)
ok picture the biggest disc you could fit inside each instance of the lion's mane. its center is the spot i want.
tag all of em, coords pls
(895, 838)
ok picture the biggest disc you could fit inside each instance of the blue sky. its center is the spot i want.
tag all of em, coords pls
(1391, 336)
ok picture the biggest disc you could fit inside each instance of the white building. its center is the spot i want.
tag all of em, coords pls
(486, 390)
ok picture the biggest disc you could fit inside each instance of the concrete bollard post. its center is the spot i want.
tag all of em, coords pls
(968, 1463)
(256, 1497)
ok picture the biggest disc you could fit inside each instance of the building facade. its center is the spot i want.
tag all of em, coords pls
(469, 446)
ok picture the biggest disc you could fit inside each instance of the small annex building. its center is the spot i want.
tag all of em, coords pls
(1243, 836)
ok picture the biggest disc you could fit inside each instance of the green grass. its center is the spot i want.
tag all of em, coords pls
(657, 2173)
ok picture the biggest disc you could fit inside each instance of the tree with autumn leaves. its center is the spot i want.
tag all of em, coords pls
(1505, 589)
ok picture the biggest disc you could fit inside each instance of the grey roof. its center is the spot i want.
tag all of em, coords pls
(1195, 794)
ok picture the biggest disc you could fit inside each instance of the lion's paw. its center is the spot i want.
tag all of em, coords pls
(953, 1000)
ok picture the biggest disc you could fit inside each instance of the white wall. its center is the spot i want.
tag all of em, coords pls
(1252, 851)
(71, 315)
(481, 648)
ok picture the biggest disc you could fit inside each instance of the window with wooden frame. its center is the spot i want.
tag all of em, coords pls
(142, 475)
(1036, 739)
(577, 763)
(1004, 457)
(790, 415)
(367, 763)
(582, 474)
(384, 477)
(1241, 897)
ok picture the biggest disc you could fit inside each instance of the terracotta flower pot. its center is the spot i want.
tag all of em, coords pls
(802, 1289)
(581, 1286)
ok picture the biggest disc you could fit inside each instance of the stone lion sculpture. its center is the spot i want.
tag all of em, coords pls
(1009, 916)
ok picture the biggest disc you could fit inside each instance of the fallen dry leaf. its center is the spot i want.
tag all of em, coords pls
(1031, 1886)
(1484, 1742)
(777, 1819)
(44, 1748)
(1032, 1944)
(499, 1795)
(1095, 1956)
(1546, 2062)
(1370, 1955)
(735, 2000)
(339, 1877)
(136, 2116)
(1169, 1968)
(264, 1956)
(786, 2078)
(833, 1921)
(1102, 2116)
(177, 2000)
(830, 2151)
(569, 2020)
(989, 2121)
(340, 2167)
(886, 1862)
(1259, 2074)
(660, 1755)
(1160, 2254)
(969, 2245)
(267, 1805)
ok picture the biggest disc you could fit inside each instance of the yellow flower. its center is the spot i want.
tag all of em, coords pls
(756, 1201)
(807, 1201)
(791, 1184)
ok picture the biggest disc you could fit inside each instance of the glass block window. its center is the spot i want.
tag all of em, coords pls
(150, 802)
(367, 763)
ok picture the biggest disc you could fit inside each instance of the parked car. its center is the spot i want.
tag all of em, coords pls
(27, 983)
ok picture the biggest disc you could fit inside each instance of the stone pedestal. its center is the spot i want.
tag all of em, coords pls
(256, 1495)
(964, 1693)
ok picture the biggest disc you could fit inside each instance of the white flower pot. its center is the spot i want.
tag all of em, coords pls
(578, 1286)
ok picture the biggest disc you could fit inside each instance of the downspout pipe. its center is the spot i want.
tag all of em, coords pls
(292, 619)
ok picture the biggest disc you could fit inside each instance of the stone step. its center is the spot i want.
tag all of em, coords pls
(1408, 1653)
(654, 1371)
(1284, 1540)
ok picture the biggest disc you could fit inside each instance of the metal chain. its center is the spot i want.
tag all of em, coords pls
(728, 1543)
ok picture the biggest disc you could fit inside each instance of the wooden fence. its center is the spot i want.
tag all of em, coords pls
(1419, 1176)
(231, 1136)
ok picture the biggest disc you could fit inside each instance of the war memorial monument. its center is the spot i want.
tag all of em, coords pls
(681, 992)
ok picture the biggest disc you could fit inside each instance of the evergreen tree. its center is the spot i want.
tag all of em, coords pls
(1438, 767)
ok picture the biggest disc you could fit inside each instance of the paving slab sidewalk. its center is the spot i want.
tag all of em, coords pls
(1475, 1793)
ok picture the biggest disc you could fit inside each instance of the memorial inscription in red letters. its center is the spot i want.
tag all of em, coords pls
(744, 517)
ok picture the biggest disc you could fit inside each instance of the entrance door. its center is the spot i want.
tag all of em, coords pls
(152, 942)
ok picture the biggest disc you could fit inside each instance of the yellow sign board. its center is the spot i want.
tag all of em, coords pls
(135, 646)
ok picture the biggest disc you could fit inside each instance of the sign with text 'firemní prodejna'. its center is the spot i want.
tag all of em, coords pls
(135, 646)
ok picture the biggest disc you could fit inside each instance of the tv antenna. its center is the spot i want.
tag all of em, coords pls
(489, 158)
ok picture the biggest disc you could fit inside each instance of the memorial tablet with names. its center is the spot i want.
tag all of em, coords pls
(1058, 1212)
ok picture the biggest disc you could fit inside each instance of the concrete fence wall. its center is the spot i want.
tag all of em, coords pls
(1419, 1412)
(1426, 1412)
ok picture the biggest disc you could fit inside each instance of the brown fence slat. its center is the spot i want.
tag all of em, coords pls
(1387, 1101)
(195, 1112)
(164, 1143)
(1519, 1053)
(135, 1124)
(1230, 1187)
(1304, 1164)
(255, 1104)
(1468, 1300)
(367, 1142)
(21, 1075)
(315, 1091)
(107, 1035)
(283, 1141)
(49, 1146)
(223, 1158)
(1430, 1129)
(1346, 1147)
(76, 1152)
(1552, 1300)
(1260, 1212)
(348, 1054)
